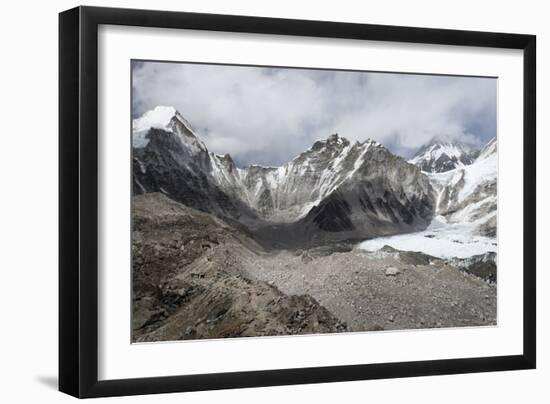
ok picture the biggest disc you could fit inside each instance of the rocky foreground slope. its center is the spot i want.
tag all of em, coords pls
(195, 276)
(188, 281)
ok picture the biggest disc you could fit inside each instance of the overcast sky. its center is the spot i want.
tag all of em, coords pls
(269, 115)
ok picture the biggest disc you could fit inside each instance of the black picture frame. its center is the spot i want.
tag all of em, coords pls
(78, 201)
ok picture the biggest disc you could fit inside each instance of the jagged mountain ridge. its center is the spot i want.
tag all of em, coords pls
(441, 155)
(166, 164)
(335, 190)
(469, 194)
(289, 192)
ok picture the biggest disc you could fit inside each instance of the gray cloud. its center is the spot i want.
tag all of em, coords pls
(269, 115)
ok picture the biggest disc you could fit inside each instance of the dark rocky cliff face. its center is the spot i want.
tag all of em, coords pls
(386, 196)
(166, 165)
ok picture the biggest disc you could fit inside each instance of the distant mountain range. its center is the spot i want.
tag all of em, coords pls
(440, 155)
(334, 191)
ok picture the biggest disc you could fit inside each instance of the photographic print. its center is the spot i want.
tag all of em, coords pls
(275, 201)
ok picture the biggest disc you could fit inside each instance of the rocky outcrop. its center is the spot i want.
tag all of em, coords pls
(483, 266)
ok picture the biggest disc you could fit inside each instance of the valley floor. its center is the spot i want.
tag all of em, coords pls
(196, 277)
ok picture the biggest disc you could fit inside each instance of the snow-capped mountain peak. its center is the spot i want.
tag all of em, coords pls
(159, 118)
(440, 155)
(167, 119)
